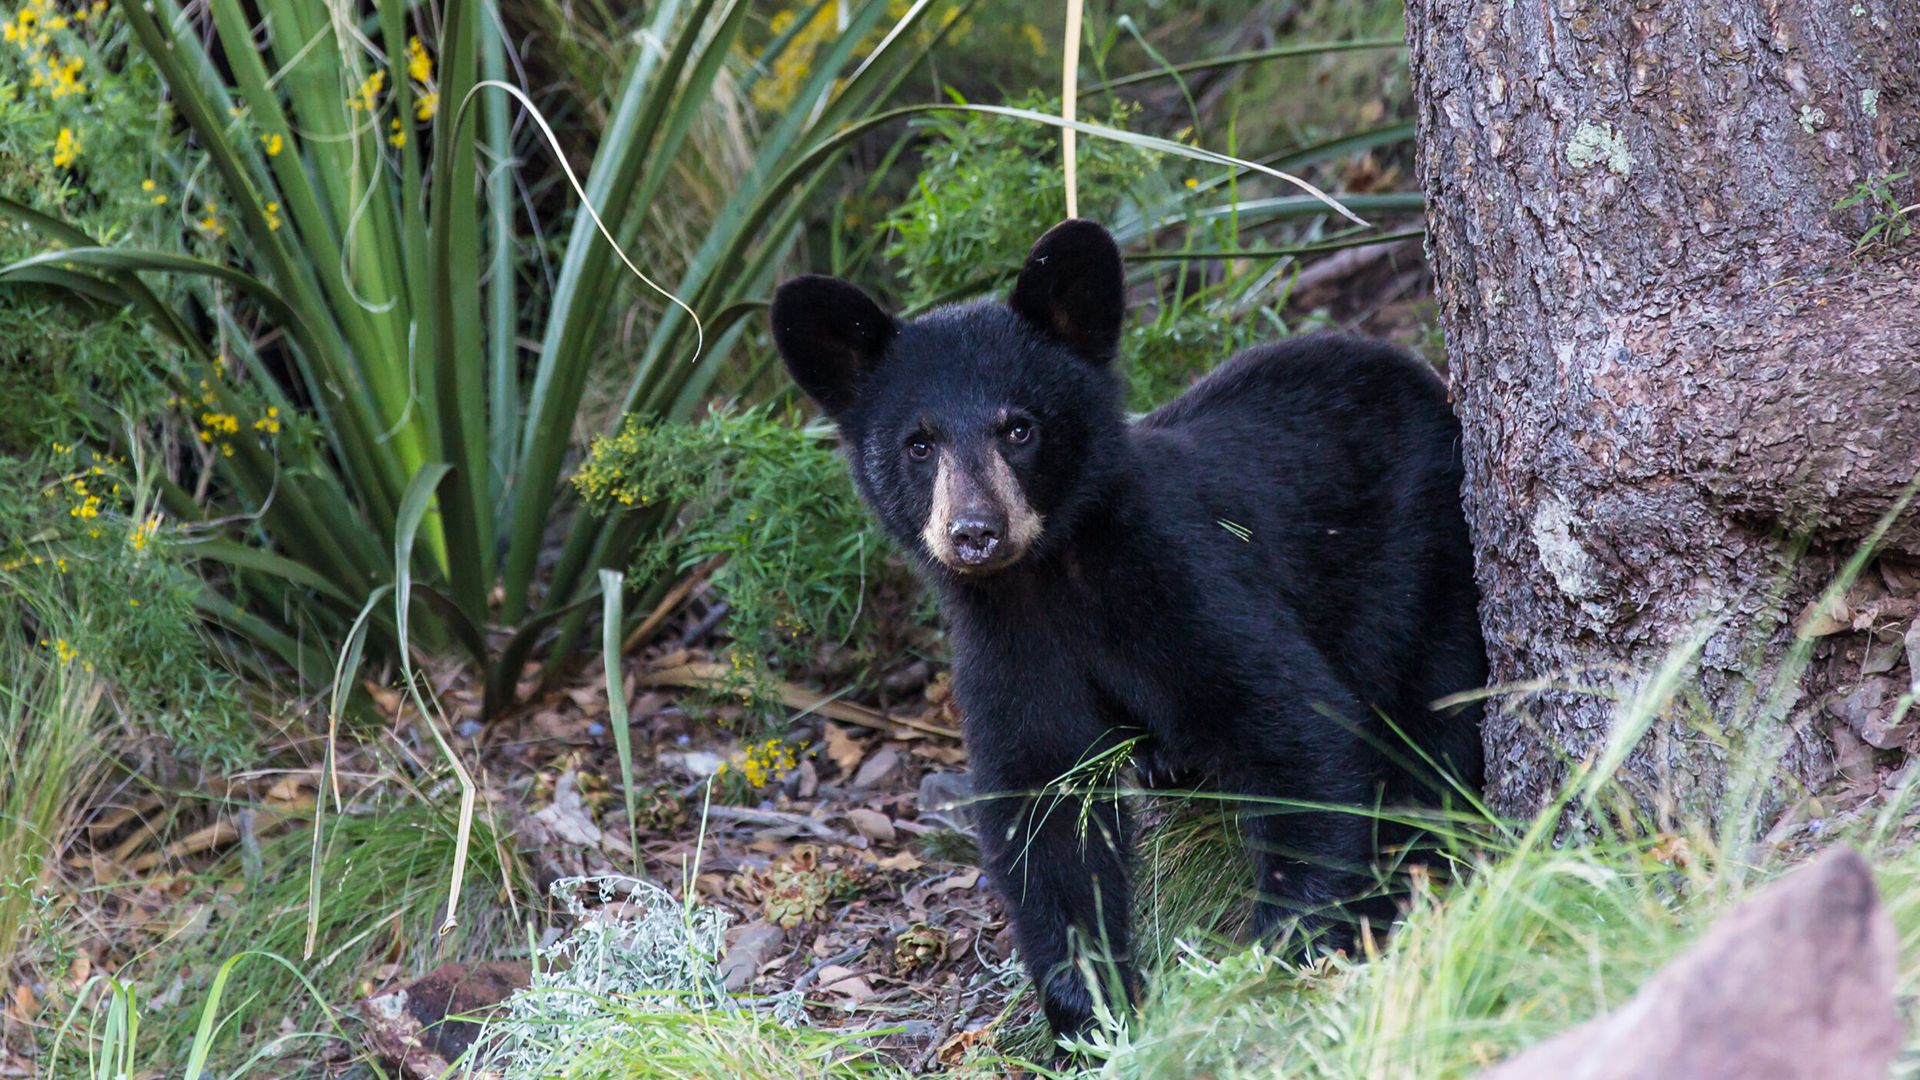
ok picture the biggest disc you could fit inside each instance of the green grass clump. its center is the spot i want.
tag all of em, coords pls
(52, 714)
(383, 878)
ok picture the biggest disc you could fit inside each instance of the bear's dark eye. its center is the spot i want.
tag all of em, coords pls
(918, 448)
(1019, 431)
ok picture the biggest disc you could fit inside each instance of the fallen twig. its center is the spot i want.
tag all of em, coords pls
(780, 819)
(798, 697)
(670, 603)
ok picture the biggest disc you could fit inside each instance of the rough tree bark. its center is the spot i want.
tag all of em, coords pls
(1670, 367)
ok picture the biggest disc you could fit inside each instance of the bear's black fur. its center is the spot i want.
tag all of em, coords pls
(1248, 580)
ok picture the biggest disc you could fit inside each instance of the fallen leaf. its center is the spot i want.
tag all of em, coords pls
(844, 983)
(872, 824)
(290, 787)
(945, 755)
(902, 861)
(956, 1048)
(567, 819)
(1818, 618)
(965, 879)
(878, 769)
(25, 1005)
(843, 749)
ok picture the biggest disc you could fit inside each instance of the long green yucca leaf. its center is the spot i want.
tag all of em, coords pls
(355, 427)
(313, 228)
(1252, 56)
(92, 288)
(453, 297)
(612, 582)
(761, 64)
(109, 258)
(694, 95)
(503, 315)
(253, 558)
(657, 382)
(1275, 253)
(1353, 143)
(163, 317)
(505, 671)
(414, 504)
(413, 509)
(1298, 206)
(310, 663)
(737, 223)
(772, 177)
(560, 374)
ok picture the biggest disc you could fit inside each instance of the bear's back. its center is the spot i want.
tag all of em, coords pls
(1338, 460)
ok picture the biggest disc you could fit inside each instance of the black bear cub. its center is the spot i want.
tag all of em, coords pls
(1261, 586)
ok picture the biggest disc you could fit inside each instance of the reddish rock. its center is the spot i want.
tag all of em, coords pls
(1796, 983)
(411, 1025)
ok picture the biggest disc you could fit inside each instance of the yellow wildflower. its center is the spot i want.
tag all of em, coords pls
(426, 104)
(273, 216)
(399, 136)
(1034, 38)
(273, 144)
(66, 148)
(419, 64)
(365, 98)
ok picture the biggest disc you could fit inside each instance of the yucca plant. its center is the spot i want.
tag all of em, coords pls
(351, 166)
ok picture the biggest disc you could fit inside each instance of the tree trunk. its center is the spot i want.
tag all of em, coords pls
(1672, 370)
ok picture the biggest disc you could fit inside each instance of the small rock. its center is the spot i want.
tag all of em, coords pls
(1796, 983)
(1852, 758)
(469, 729)
(872, 824)
(948, 794)
(844, 983)
(1912, 641)
(567, 820)
(806, 780)
(878, 768)
(1883, 656)
(1004, 944)
(412, 1025)
(698, 764)
(1868, 710)
(748, 947)
(908, 679)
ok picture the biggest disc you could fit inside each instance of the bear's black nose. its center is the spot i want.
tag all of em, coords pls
(975, 536)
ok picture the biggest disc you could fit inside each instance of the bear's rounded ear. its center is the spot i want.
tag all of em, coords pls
(1074, 289)
(830, 334)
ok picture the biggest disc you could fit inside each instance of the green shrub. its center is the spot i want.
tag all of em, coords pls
(769, 496)
(989, 185)
(89, 573)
